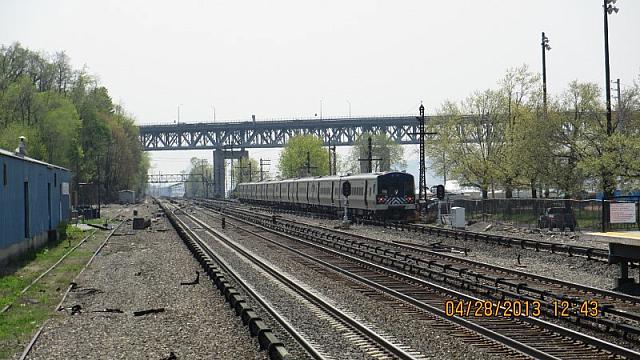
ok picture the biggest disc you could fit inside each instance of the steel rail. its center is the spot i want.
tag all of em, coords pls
(449, 273)
(249, 289)
(583, 288)
(328, 308)
(591, 253)
(613, 348)
(43, 274)
(34, 339)
(407, 246)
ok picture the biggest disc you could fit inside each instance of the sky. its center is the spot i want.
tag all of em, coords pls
(278, 59)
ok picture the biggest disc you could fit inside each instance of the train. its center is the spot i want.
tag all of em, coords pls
(387, 195)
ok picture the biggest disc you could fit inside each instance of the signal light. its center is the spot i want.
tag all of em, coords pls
(440, 192)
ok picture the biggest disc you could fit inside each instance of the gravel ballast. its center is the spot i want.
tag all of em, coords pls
(136, 271)
(573, 269)
(399, 323)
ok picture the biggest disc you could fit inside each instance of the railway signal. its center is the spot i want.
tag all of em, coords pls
(440, 192)
(346, 189)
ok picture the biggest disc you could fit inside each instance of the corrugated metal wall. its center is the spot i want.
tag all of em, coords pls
(47, 205)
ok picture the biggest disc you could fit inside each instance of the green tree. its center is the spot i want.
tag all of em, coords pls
(199, 179)
(382, 147)
(296, 153)
(246, 170)
(69, 120)
(475, 140)
(60, 125)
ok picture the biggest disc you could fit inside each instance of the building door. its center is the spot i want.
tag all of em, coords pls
(26, 209)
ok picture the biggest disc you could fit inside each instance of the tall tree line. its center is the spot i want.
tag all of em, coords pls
(68, 120)
(504, 138)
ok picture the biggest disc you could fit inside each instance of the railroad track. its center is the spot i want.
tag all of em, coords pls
(554, 331)
(71, 286)
(561, 299)
(370, 342)
(58, 262)
(590, 253)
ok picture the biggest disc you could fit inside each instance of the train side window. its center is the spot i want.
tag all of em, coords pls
(5, 181)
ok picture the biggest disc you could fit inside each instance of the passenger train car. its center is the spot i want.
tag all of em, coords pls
(378, 195)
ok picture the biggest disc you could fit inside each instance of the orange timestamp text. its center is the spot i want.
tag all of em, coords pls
(518, 308)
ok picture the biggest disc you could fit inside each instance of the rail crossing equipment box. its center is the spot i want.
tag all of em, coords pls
(457, 218)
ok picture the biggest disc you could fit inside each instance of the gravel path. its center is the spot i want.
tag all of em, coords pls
(139, 272)
(369, 306)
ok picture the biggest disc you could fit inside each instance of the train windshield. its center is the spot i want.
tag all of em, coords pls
(396, 184)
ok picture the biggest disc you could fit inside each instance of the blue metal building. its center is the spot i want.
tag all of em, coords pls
(34, 199)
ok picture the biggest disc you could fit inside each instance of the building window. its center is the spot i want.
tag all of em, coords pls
(5, 181)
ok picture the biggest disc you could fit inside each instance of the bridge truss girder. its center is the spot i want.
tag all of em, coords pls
(274, 134)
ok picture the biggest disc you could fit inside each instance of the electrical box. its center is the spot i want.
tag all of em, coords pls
(457, 218)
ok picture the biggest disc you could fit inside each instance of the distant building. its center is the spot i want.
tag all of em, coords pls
(126, 197)
(34, 199)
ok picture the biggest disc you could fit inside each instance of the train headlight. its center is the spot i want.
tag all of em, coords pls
(380, 199)
(409, 199)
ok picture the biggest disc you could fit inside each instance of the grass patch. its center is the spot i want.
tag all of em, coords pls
(31, 309)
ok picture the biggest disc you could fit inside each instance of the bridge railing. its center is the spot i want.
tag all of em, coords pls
(285, 119)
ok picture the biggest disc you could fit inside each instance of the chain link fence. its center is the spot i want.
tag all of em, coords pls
(526, 212)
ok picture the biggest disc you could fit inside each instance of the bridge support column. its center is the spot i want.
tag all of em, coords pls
(219, 177)
(218, 174)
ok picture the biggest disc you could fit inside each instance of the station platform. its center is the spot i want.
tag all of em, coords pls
(622, 237)
(624, 248)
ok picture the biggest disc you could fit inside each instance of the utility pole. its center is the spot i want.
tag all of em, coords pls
(262, 163)
(545, 47)
(619, 107)
(205, 184)
(330, 167)
(444, 168)
(231, 171)
(248, 166)
(308, 164)
(608, 8)
(335, 168)
(369, 159)
(422, 184)
(422, 192)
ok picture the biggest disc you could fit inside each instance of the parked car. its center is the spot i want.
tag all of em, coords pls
(557, 217)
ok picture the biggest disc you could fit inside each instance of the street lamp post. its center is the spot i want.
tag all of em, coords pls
(608, 8)
(545, 47)
(349, 102)
(214, 113)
